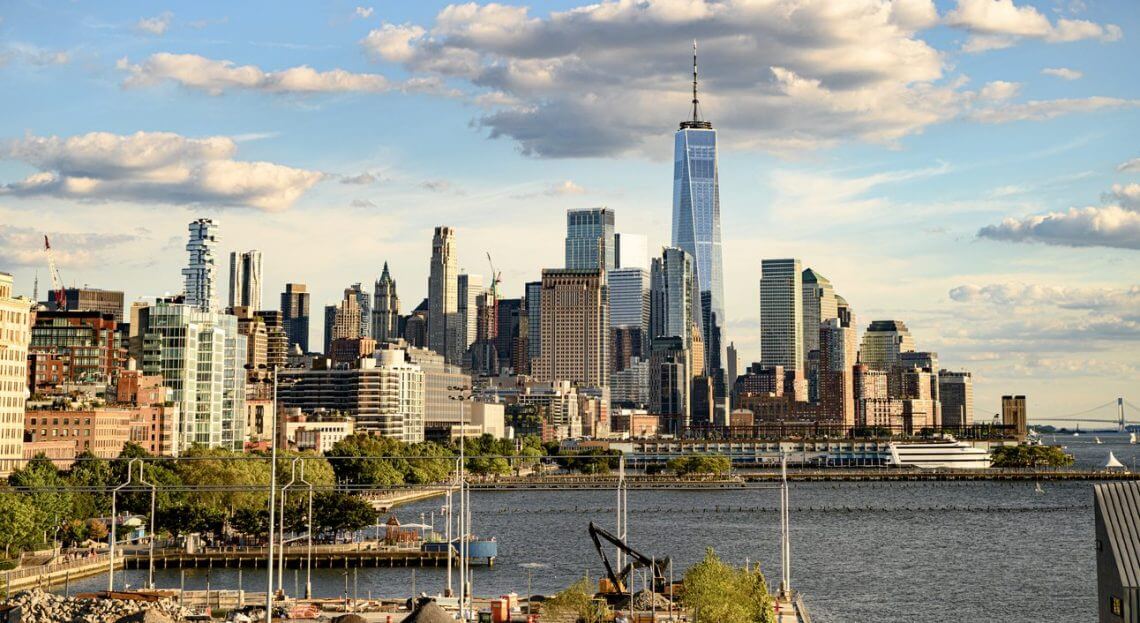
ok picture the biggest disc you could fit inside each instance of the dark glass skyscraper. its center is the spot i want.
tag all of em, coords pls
(696, 224)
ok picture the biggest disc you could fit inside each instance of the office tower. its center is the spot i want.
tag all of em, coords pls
(415, 328)
(483, 356)
(626, 344)
(385, 395)
(91, 299)
(257, 343)
(956, 391)
(199, 274)
(364, 302)
(200, 356)
(837, 358)
(386, 310)
(330, 322)
(696, 223)
(702, 402)
(510, 328)
(674, 298)
(781, 314)
(669, 382)
(1015, 415)
(629, 313)
(87, 344)
(468, 288)
(14, 339)
(347, 316)
(631, 251)
(590, 235)
(295, 312)
(575, 327)
(630, 385)
(443, 322)
(245, 279)
(883, 342)
(819, 304)
(533, 293)
(277, 342)
(732, 366)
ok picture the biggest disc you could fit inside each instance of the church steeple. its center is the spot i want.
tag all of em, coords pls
(696, 121)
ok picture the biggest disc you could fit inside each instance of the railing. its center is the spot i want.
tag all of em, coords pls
(52, 568)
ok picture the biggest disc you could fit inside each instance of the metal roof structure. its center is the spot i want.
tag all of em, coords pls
(1119, 506)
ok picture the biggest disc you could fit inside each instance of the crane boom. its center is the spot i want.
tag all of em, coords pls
(496, 277)
(56, 280)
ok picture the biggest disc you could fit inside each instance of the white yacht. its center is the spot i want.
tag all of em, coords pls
(946, 452)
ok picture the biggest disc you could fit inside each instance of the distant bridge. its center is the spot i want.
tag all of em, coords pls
(1117, 411)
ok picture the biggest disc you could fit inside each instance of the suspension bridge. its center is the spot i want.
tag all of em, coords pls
(1117, 411)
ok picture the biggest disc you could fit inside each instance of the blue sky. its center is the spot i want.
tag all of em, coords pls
(965, 166)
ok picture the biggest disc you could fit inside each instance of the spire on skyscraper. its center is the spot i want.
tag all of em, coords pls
(696, 121)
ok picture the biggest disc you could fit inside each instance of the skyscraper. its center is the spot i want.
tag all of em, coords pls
(295, 309)
(245, 279)
(386, 309)
(590, 232)
(674, 299)
(696, 223)
(883, 342)
(820, 304)
(199, 274)
(14, 339)
(364, 302)
(837, 358)
(533, 290)
(781, 314)
(629, 315)
(575, 336)
(956, 390)
(468, 287)
(631, 251)
(443, 297)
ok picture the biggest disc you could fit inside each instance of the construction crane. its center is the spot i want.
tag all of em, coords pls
(56, 280)
(496, 277)
(618, 579)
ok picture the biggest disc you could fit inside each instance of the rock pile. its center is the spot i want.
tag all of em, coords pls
(39, 606)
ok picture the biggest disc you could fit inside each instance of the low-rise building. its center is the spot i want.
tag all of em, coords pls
(102, 431)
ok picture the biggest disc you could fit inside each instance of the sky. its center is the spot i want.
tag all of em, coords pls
(967, 166)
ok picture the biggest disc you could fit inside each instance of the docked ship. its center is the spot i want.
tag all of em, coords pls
(944, 453)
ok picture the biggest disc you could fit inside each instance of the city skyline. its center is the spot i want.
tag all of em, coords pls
(904, 211)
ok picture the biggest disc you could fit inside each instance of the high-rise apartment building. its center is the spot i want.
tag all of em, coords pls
(837, 358)
(696, 224)
(386, 309)
(92, 299)
(575, 327)
(511, 332)
(443, 322)
(441, 407)
(819, 305)
(956, 390)
(200, 274)
(1015, 414)
(733, 365)
(347, 316)
(364, 302)
(781, 314)
(88, 343)
(670, 378)
(590, 239)
(276, 340)
(629, 315)
(468, 288)
(533, 293)
(883, 341)
(631, 251)
(295, 312)
(14, 337)
(245, 279)
(200, 356)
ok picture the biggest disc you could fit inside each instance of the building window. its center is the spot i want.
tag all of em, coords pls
(1116, 606)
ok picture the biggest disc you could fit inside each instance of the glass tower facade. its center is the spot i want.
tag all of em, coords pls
(589, 232)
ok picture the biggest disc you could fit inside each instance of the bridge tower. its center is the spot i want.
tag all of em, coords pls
(1120, 412)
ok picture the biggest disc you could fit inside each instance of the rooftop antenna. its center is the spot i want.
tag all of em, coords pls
(696, 102)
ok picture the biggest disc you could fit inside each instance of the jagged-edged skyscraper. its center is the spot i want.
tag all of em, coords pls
(199, 275)
(386, 309)
(696, 223)
(245, 279)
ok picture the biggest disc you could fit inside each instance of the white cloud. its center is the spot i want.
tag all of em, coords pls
(362, 203)
(153, 167)
(1067, 297)
(360, 179)
(393, 42)
(1039, 110)
(565, 187)
(217, 76)
(1062, 72)
(996, 24)
(363, 12)
(1132, 165)
(33, 55)
(23, 246)
(155, 25)
(1128, 195)
(999, 90)
(1103, 226)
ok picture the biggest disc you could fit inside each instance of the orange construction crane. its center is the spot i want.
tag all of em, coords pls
(56, 280)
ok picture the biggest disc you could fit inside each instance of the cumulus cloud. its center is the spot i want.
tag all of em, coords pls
(999, 90)
(23, 246)
(218, 76)
(1132, 165)
(33, 55)
(1106, 226)
(363, 12)
(1062, 72)
(153, 167)
(155, 25)
(1128, 195)
(996, 24)
(1039, 110)
(1023, 294)
(565, 187)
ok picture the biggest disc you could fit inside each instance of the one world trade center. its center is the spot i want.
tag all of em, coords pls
(696, 226)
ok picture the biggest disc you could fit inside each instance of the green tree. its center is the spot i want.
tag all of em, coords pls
(46, 492)
(358, 460)
(74, 532)
(716, 464)
(715, 591)
(17, 521)
(96, 529)
(252, 522)
(222, 474)
(94, 473)
(577, 601)
(593, 461)
(336, 512)
(189, 517)
(1030, 456)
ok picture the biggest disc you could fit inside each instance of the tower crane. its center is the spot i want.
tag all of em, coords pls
(496, 277)
(56, 280)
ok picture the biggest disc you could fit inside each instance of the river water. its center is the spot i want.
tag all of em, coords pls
(890, 552)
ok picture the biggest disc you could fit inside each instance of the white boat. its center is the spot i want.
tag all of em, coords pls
(1132, 438)
(1038, 489)
(1113, 462)
(938, 453)
(1097, 440)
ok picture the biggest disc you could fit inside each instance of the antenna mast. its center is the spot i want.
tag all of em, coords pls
(696, 102)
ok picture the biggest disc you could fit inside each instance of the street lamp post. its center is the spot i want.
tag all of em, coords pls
(114, 524)
(284, 495)
(272, 496)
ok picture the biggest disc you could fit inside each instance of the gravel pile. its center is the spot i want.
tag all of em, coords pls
(42, 607)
